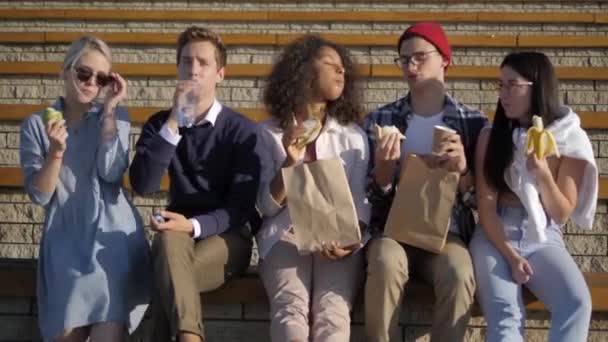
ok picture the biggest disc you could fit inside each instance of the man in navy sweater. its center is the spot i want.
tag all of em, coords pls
(204, 237)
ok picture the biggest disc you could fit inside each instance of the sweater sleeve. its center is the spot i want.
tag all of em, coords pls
(153, 154)
(239, 206)
(266, 204)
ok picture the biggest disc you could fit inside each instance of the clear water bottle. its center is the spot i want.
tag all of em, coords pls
(187, 103)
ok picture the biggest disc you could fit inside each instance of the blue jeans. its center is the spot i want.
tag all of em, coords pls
(557, 282)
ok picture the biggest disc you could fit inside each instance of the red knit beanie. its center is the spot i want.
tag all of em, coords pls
(431, 32)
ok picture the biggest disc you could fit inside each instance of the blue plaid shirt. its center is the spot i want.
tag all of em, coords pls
(467, 121)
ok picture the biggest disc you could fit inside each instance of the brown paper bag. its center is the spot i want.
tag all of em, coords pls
(321, 205)
(422, 207)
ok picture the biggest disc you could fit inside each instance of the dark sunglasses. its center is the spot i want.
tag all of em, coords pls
(84, 74)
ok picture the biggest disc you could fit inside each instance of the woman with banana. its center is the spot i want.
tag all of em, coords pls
(536, 171)
(93, 269)
(313, 106)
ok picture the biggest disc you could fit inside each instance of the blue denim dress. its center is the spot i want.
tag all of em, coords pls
(94, 261)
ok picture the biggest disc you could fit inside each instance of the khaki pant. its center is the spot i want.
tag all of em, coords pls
(450, 273)
(183, 269)
(310, 295)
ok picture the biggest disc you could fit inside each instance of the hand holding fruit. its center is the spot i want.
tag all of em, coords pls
(51, 114)
(56, 131)
(539, 140)
(540, 144)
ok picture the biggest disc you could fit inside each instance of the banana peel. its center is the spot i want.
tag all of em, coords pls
(540, 141)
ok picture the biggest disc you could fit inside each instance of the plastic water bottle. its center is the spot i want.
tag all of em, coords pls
(187, 103)
(158, 217)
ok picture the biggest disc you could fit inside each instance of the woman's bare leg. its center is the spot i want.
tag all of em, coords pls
(108, 332)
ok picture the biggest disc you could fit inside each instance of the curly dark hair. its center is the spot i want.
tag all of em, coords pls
(289, 83)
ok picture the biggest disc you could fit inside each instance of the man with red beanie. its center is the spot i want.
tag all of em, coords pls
(424, 57)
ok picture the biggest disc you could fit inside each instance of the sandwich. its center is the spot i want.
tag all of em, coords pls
(313, 128)
(382, 131)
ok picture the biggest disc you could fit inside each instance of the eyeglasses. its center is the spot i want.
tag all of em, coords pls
(84, 74)
(415, 59)
(509, 86)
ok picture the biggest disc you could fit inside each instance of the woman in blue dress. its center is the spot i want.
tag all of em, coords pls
(93, 267)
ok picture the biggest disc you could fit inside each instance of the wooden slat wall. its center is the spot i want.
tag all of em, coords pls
(305, 16)
(262, 70)
(281, 39)
(139, 115)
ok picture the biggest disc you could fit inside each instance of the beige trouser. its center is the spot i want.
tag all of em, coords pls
(310, 288)
(450, 273)
(183, 269)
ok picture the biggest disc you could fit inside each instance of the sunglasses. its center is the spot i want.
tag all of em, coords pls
(84, 74)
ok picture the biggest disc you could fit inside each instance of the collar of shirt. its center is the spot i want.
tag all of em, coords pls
(59, 104)
(212, 113)
(331, 125)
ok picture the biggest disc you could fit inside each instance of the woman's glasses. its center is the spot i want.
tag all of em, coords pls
(84, 74)
(511, 85)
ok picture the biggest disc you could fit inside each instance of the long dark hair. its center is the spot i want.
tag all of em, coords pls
(536, 68)
(289, 83)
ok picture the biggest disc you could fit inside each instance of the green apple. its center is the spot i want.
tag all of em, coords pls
(51, 113)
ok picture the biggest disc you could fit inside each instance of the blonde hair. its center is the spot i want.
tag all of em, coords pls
(82, 45)
(201, 34)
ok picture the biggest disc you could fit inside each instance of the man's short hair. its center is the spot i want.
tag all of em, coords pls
(201, 34)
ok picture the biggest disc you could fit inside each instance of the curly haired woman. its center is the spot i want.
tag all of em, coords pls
(310, 294)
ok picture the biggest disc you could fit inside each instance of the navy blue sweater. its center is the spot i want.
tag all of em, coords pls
(214, 171)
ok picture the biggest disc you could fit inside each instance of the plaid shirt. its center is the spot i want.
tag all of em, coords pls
(467, 121)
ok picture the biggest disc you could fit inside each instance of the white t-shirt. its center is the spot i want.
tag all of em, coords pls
(419, 140)
(419, 134)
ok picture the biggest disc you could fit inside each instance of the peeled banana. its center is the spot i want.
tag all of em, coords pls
(540, 141)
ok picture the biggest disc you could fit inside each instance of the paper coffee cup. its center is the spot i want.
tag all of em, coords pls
(439, 133)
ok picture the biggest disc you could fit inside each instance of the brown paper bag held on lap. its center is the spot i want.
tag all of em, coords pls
(422, 207)
(321, 205)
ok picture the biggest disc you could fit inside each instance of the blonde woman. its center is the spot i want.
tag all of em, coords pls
(93, 271)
